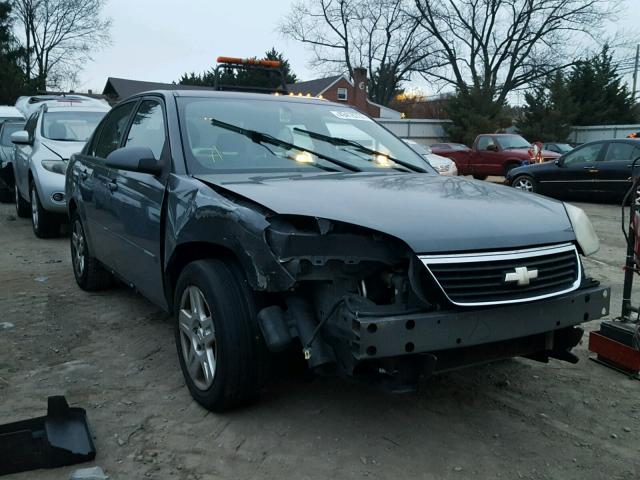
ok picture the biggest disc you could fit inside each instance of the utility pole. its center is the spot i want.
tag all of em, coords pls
(635, 71)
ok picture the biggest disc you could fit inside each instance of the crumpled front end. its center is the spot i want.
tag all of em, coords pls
(364, 304)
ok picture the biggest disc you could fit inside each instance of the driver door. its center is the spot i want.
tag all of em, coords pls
(575, 173)
(136, 199)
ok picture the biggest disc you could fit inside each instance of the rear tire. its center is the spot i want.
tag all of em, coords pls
(525, 183)
(23, 210)
(89, 273)
(45, 224)
(221, 352)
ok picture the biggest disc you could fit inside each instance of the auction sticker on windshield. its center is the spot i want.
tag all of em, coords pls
(347, 115)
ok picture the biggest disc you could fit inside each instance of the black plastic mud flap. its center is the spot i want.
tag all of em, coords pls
(61, 438)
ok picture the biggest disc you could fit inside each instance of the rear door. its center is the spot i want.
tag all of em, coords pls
(614, 169)
(576, 173)
(137, 201)
(94, 180)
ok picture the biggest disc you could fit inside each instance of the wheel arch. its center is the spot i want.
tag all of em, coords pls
(188, 252)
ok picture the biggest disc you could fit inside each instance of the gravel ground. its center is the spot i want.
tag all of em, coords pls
(113, 354)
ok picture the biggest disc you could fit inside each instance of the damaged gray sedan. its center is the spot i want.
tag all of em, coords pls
(271, 224)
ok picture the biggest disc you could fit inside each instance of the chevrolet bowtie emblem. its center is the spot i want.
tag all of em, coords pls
(522, 276)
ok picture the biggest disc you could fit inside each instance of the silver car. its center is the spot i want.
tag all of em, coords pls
(51, 135)
(442, 165)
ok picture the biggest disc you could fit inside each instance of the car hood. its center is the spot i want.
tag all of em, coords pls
(62, 150)
(430, 213)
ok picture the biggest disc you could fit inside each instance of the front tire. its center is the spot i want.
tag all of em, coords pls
(45, 224)
(23, 210)
(89, 273)
(525, 182)
(219, 346)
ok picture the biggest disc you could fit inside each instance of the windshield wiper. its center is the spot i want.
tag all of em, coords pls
(358, 146)
(260, 138)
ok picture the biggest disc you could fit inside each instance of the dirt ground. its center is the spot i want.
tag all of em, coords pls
(113, 354)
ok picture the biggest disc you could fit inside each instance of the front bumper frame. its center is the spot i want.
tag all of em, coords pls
(427, 332)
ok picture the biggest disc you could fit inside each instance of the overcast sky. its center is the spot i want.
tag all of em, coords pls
(158, 40)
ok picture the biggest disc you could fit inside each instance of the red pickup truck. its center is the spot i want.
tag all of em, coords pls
(493, 154)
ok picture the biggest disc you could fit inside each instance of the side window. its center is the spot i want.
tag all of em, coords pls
(113, 128)
(619, 151)
(484, 142)
(147, 129)
(586, 154)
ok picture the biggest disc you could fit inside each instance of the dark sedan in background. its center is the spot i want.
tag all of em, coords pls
(597, 170)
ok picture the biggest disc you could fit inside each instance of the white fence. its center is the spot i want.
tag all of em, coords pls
(428, 131)
(601, 132)
(423, 131)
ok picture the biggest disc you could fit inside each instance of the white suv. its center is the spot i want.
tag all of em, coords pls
(51, 135)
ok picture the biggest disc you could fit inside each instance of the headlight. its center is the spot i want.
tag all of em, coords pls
(585, 234)
(55, 166)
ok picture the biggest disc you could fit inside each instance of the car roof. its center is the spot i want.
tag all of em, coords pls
(77, 108)
(9, 111)
(237, 95)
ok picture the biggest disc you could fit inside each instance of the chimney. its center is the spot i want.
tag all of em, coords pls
(360, 89)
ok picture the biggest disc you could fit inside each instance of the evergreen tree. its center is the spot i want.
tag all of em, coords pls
(549, 111)
(474, 112)
(12, 77)
(600, 96)
(231, 76)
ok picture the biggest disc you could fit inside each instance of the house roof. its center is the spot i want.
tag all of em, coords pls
(123, 88)
(314, 87)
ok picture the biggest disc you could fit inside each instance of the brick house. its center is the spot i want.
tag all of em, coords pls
(341, 89)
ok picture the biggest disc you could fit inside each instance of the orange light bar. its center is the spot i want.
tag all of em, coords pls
(249, 61)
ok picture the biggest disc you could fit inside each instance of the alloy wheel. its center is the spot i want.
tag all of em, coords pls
(77, 243)
(197, 337)
(524, 183)
(34, 207)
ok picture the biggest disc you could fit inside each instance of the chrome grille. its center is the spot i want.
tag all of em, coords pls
(506, 277)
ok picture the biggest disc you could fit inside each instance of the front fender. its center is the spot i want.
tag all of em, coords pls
(196, 213)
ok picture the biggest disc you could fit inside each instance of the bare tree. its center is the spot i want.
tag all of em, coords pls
(494, 47)
(379, 35)
(60, 36)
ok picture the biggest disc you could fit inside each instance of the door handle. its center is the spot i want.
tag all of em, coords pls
(112, 186)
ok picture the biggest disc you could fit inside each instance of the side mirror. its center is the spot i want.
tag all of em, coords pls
(492, 148)
(134, 159)
(20, 138)
(558, 161)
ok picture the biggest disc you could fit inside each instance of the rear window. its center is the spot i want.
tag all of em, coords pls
(72, 126)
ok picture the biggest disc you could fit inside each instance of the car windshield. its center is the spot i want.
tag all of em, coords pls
(218, 137)
(563, 147)
(7, 130)
(509, 142)
(70, 126)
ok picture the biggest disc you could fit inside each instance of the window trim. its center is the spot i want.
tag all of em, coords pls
(346, 94)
